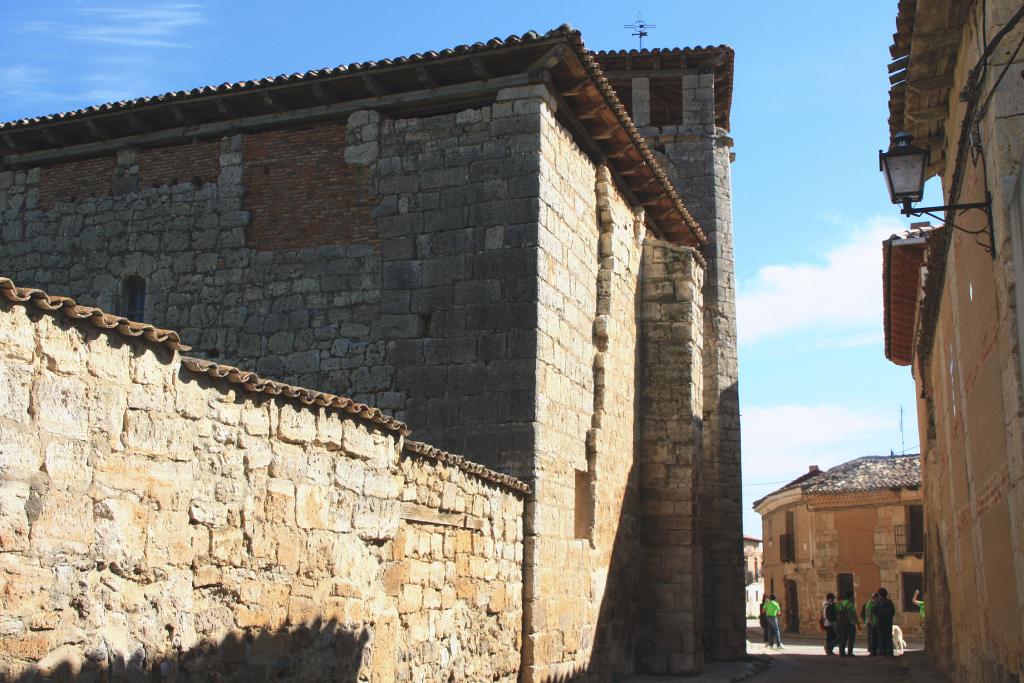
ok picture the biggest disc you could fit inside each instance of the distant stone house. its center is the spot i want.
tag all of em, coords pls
(954, 315)
(753, 561)
(482, 243)
(858, 526)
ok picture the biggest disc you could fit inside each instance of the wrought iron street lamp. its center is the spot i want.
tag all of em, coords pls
(905, 168)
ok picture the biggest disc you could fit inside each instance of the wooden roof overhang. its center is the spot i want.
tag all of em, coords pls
(418, 85)
(924, 54)
(621, 65)
(902, 261)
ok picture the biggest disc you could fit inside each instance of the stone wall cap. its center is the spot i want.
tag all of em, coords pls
(253, 383)
(503, 480)
(94, 316)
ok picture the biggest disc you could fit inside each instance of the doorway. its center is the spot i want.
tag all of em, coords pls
(792, 608)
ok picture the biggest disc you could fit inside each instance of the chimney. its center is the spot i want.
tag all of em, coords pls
(813, 469)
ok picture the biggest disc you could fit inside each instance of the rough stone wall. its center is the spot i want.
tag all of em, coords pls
(582, 522)
(154, 519)
(971, 419)
(697, 156)
(670, 460)
(389, 260)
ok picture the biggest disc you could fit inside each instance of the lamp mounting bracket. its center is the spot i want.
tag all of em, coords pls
(985, 206)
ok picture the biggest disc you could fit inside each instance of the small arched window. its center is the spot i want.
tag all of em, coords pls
(131, 301)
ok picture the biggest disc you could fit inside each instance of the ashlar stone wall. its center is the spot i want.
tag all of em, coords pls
(581, 523)
(157, 521)
(697, 156)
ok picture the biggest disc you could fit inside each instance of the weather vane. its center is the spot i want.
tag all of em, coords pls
(640, 28)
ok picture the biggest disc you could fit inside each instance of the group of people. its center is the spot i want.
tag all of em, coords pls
(840, 620)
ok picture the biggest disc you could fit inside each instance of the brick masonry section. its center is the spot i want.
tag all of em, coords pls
(197, 163)
(300, 191)
(76, 180)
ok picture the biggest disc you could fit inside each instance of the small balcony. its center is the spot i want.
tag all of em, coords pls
(907, 542)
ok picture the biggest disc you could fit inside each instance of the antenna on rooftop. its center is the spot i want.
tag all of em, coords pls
(903, 448)
(640, 28)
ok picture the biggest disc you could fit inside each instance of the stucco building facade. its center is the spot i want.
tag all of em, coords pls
(857, 526)
(481, 244)
(952, 314)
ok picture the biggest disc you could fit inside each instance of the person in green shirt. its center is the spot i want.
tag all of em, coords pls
(920, 604)
(871, 624)
(847, 624)
(771, 613)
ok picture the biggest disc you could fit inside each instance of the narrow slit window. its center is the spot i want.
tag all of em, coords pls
(131, 302)
(583, 517)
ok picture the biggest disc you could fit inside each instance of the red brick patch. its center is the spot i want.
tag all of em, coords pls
(300, 192)
(73, 180)
(171, 165)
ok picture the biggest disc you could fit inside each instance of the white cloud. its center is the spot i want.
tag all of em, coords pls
(780, 442)
(125, 26)
(840, 298)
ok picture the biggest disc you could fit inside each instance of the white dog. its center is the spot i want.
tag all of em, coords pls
(899, 645)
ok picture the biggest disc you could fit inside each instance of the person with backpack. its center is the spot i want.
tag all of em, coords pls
(771, 613)
(867, 612)
(828, 623)
(846, 620)
(885, 612)
(762, 619)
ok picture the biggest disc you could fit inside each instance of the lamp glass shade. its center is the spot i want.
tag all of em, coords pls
(904, 167)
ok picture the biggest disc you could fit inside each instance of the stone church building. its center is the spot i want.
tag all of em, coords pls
(522, 250)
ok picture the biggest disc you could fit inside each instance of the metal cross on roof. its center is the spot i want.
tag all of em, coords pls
(640, 28)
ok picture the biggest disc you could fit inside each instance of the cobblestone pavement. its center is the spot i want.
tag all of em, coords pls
(804, 661)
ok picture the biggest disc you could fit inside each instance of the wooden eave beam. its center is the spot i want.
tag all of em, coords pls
(26, 154)
(372, 85)
(619, 152)
(591, 112)
(930, 84)
(320, 92)
(578, 88)
(54, 136)
(183, 115)
(928, 115)
(424, 76)
(138, 123)
(14, 143)
(479, 67)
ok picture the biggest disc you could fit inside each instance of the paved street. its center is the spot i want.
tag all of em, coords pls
(804, 661)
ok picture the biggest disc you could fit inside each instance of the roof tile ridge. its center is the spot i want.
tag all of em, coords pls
(254, 383)
(96, 317)
(466, 465)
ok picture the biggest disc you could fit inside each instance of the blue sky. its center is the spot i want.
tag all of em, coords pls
(809, 114)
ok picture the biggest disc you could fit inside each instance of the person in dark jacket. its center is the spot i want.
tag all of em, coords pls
(867, 613)
(828, 620)
(885, 612)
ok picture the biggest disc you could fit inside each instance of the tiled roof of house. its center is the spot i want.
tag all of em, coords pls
(870, 473)
(67, 307)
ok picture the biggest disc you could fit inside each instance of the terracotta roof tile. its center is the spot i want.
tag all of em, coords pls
(870, 473)
(94, 316)
(476, 469)
(253, 383)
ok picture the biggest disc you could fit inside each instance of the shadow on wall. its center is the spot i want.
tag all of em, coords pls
(320, 651)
